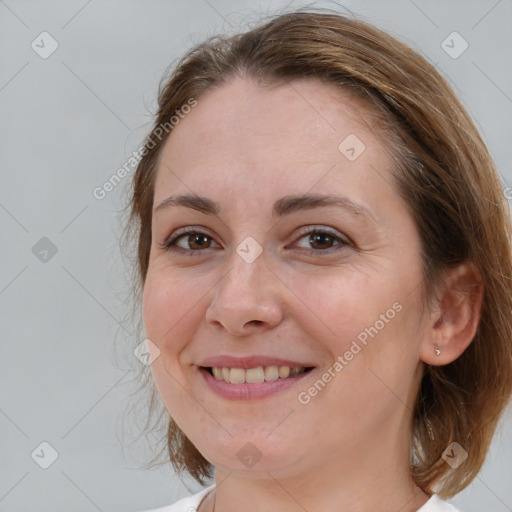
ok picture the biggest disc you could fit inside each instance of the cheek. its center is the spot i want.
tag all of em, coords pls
(170, 307)
(367, 319)
(337, 306)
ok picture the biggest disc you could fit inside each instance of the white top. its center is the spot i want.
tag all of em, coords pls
(191, 504)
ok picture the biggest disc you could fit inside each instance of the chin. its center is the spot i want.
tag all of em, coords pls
(250, 454)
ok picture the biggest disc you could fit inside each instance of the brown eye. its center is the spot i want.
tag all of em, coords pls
(320, 241)
(196, 240)
(188, 241)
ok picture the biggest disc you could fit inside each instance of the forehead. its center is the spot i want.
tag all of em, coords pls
(287, 135)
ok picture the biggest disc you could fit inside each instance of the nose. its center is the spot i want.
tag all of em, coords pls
(247, 299)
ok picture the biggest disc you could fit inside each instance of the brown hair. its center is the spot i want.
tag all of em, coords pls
(443, 171)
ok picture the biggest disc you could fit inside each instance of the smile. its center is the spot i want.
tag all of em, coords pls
(255, 375)
(252, 383)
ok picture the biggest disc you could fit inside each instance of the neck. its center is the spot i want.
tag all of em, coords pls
(367, 479)
(286, 497)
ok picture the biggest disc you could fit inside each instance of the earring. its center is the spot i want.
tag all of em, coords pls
(437, 351)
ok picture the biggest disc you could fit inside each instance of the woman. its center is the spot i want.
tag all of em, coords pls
(325, 266)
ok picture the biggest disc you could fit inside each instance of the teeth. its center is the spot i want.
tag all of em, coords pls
(255, 375)
(271, 373)
(284, 372)
(237, 375)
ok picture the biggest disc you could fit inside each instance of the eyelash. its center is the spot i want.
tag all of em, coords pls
(168, 245)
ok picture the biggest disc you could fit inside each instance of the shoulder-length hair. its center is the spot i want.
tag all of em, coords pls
(443, 171)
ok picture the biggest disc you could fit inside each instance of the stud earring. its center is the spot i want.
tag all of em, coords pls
(437, 351)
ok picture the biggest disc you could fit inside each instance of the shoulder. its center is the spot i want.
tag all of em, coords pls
(187, 504)
(436, 504)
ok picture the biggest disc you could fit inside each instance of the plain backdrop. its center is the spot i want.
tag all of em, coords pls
(71, 118)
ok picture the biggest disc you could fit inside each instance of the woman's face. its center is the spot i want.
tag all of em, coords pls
(271, 281)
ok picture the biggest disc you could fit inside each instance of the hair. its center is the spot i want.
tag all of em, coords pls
(442, 170)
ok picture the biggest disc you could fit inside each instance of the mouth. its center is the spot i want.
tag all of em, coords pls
(252, 382)
(255, 375)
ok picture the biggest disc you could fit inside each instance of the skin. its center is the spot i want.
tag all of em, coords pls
(350, 444)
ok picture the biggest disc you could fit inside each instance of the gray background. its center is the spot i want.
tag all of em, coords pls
(68, 122)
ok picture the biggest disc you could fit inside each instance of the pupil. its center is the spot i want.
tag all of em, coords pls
(196, 238)
(317, 237)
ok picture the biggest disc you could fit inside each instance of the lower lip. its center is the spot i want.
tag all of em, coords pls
(249, 391)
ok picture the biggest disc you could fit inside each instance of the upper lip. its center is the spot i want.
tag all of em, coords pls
(225, 361)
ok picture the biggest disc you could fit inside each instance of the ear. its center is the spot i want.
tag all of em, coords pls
(455, 316)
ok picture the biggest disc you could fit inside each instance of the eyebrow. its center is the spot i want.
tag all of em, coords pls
(283, 206)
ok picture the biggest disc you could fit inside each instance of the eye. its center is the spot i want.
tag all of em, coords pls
(324, 241)
(191, 240)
